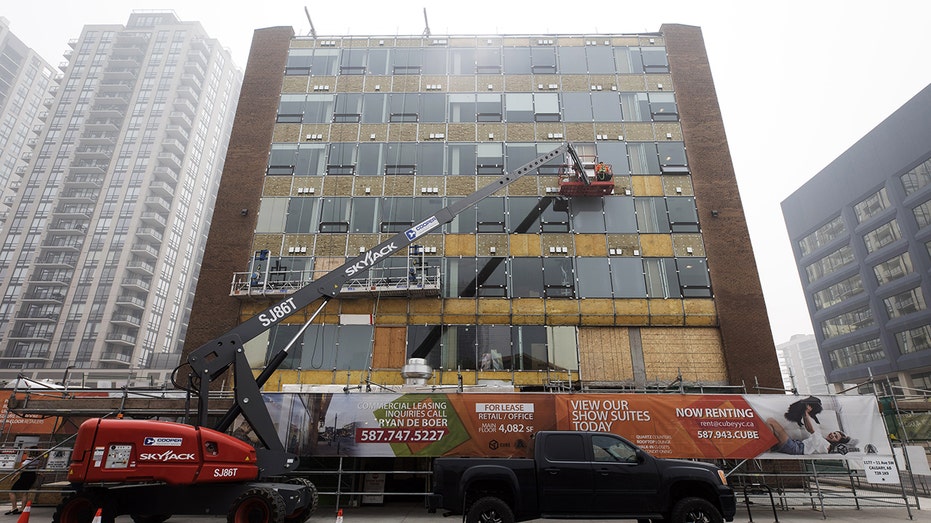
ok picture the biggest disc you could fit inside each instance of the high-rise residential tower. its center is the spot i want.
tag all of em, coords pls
(101, 253)
(27, 86)
(341, 142)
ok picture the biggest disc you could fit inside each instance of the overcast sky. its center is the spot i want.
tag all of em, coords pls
(798, 81)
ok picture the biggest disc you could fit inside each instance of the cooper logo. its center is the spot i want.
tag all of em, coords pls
(166, 456)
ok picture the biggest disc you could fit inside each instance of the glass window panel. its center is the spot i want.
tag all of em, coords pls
(377, 62)
(856, 354)
(348, 108)
(319, 108)
(871, 205)
(824, 235)
(643, 158)
(462, 107)
(488, 60)
(491, 280)
(661, 278)
(434, 61)
(838, 292)
(627, 278)
(544, 60)
(334, 215)
(628, 60)
(520, 154)
(464, 222)
(693, 277)
(683, 216)
(917, 178)
(460, 347)
(672, 156)
(882, 236)
(355, 345)
(523, 216)
(847, 322)
(527, 278)
(403, 107)
(904, 303)
(325, 62)
(577, 107)
(915, 340)
(529, 347)
(406, 60)
(341, 158)
(517, 60)
(600, 60)
(654, 60)
(518, 107)
(424, 207)
(587, 215)
(317, 349)
(431, 159)
(490, 158)
(283, 155)
(371, 159)
(923, 214)
(397, 214)
(272, 213)
(363, 217)
(459, 278)
(893, 268)
(558, 277)
(651, 215)
(663, 107)
(615, 155)
(494, 347)
(433, 107)
(828, 264)
(425, 341)
(563, 347)
(311, 160)
(490, 215)
(299, 61)
(606, 106)
(592, 274)
(619, 214)
(572, 60)
(302, 215)
(352, 61)
(546, 107)
(461, 160)
(635, 107)
(462, 61)
(401, 158)
(488, 107)
(373, 108)
(291, 108)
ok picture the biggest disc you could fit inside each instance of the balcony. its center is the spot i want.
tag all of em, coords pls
(116, 73)
(46, 296)
(63, 244)
(170, 160)
(67, 229)
(126, 320)
(96, 140)
(159, 204)
(107, 111)
(175, 116)
(149, 234)
(83, 181)
(178, 133)
(113, 357)
(162, 189)
(92, 169)
(166, 175)
(188, 93)
(141, 267)
(185, 107)
(80, 196)
(73, 211)
(153, 218)
(136, 284)
(56, 261)
(144, 250)
(102, 126)
(120, 338)
(174, 146)
(38, 316)
(31, 334)
(131, 302)
(192, 80)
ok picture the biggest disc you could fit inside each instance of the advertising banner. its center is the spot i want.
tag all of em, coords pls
(11, 423)
(704, 426)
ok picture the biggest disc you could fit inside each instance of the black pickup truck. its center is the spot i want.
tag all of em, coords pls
(581, 475)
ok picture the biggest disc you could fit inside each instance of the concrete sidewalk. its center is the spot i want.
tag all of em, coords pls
(760, 511)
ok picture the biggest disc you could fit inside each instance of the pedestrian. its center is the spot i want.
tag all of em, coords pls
(28, 473)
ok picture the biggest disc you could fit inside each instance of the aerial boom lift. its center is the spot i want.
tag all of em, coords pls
(152, 470)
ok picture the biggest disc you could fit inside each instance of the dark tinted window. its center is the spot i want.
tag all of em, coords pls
(564, 447)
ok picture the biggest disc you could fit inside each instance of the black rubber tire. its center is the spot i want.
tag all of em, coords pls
(257, 505)
(150, 518)
(490, 510)
(304, 514)
(81, 507)
(695, 510)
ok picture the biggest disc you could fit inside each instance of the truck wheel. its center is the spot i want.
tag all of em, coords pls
(695, 510)
(81, 507)
(302, 515)
(257, 505)
(490, 510)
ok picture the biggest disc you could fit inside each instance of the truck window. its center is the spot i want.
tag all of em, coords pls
(564, 447)
(607, 448)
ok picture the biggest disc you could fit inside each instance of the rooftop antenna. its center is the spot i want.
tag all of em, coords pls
(313, 32)
(426, 30)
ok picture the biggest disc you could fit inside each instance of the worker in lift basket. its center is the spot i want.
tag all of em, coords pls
(602, 172)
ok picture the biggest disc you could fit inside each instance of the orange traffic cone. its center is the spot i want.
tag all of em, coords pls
(339, 516)
(24, 516)
(97, 517)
